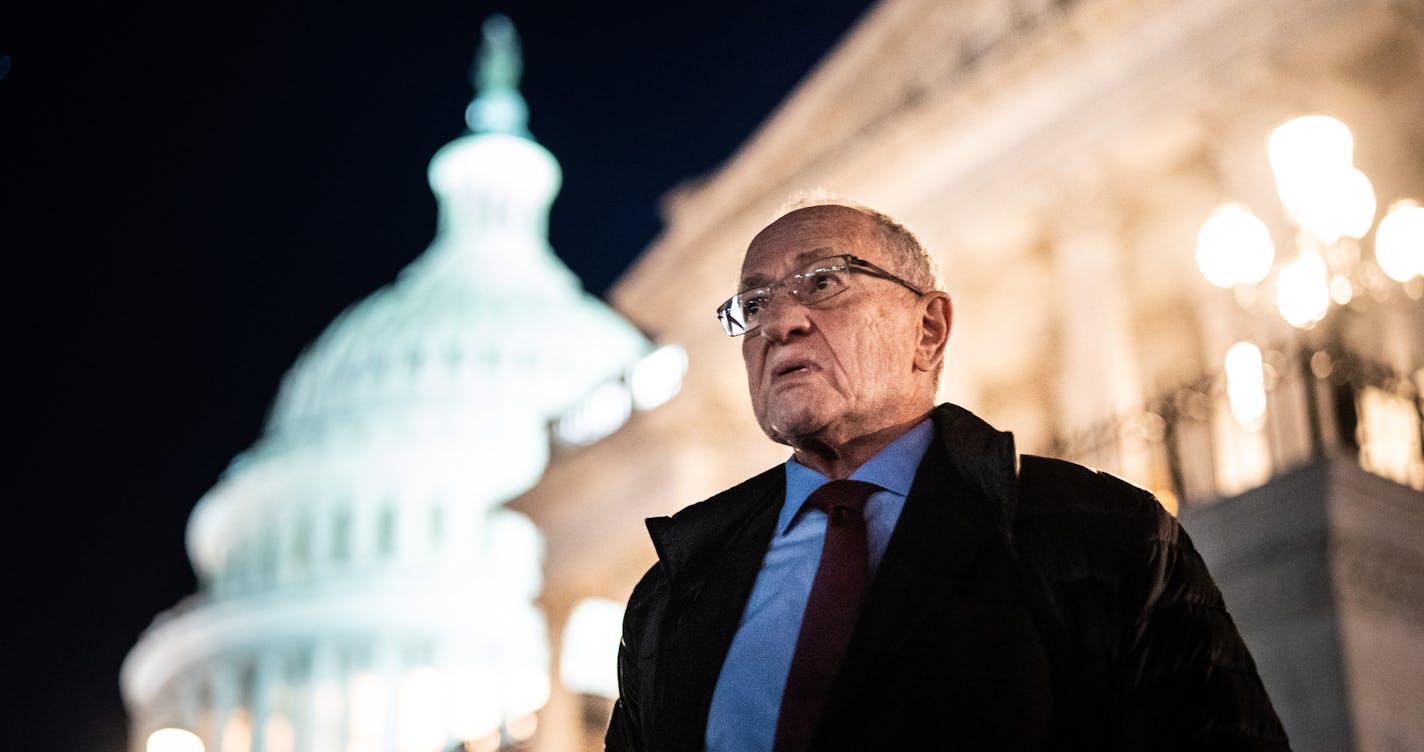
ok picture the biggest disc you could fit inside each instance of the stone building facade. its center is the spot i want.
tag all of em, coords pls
(1059, 160)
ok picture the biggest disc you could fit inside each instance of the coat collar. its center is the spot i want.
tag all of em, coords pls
(979, 456)
(692, 538)
(984, 459)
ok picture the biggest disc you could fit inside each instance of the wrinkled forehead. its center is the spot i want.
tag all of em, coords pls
(761, 274)
(803, 236)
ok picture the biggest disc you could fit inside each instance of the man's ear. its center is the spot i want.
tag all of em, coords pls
(935, 323)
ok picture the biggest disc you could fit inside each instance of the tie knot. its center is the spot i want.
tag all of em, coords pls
(846, 494)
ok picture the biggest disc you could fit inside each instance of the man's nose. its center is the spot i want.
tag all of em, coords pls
(784, 315)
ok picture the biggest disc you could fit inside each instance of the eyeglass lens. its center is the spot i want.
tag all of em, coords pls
(820, 280)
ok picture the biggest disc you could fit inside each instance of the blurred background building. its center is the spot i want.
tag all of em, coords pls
(361, 585)
(1062, 161)
(1183, 246)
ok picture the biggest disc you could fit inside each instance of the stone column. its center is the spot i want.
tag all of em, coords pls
(388, 667)
(222, 685)
(321, 730)
(559, 722)
(1098, 376)
(266, 674)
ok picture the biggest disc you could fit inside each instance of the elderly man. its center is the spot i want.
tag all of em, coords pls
(906, 580)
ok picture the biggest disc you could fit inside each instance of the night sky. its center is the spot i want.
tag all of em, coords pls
(190, 192)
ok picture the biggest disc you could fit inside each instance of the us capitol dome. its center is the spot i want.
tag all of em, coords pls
(361, 585)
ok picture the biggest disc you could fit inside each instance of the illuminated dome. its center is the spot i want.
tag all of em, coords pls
(361, 582)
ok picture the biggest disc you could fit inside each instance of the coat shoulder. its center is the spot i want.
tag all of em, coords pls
(1054, 489)
(693, 536)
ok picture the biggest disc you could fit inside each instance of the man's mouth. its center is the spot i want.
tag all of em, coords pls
(792, 367)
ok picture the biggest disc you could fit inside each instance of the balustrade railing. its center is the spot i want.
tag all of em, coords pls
(1189, 447)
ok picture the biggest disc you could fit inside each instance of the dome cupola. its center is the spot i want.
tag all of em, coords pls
(359, 558)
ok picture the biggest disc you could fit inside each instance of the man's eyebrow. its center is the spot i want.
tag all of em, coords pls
(758, 279)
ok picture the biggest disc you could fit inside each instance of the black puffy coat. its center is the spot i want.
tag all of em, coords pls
(1020, 605)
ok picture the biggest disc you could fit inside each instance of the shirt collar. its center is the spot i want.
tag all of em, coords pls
(892, 468)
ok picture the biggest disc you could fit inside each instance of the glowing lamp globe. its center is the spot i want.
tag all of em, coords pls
(1234, 247)
(1355, 209)
(1246, 385)
(1309, 145)
(173, 740)
(1312, 160)
(1303, 291)
(1332, 205)
(1399, 241)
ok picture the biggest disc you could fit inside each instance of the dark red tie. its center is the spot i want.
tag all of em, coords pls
(837, 594)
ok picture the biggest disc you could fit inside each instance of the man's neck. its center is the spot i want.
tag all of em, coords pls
(837, 460)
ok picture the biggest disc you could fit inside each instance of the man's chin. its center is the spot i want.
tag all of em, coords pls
(793, 429)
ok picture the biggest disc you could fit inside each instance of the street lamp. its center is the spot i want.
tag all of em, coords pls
(1234, 247)
(1399, 241)
(173, 740)
(1333, 205)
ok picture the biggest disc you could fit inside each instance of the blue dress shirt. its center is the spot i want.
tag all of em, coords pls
(748, 694)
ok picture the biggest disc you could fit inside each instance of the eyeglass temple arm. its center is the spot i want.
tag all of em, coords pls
(868, 268)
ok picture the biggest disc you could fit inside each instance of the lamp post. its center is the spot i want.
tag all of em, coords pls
(1333, 206)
